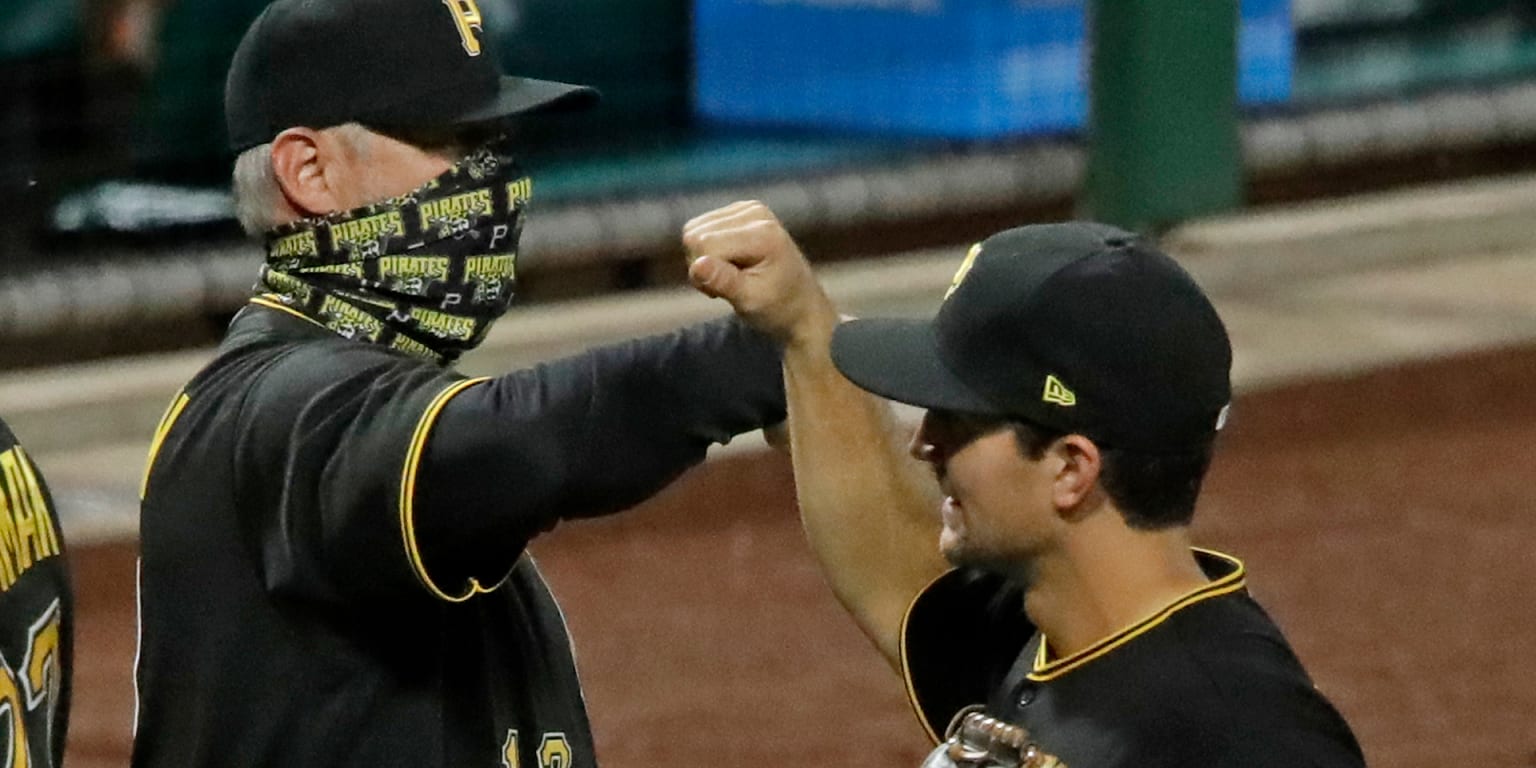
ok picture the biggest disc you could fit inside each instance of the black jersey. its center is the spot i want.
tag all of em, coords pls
(333, 568)
(1209, 681)
(36, 612)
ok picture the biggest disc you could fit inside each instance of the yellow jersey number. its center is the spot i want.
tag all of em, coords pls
(554, 751)
(33, 694)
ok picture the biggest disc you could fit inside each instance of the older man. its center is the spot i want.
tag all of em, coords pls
(333, 520)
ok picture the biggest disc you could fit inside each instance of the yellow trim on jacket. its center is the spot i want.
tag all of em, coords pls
(408, 490)
(1049, 670)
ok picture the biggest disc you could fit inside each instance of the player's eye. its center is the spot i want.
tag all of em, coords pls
(949, 431)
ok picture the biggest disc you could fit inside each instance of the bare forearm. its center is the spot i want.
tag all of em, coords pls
(868, 508)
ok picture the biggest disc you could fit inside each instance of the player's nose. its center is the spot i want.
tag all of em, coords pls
(921, 446)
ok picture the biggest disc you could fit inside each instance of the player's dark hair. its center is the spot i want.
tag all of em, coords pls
(1158, 490)
(1033, 439)
(1152, 491)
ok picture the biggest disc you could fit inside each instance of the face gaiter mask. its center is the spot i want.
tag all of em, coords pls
(425, 273)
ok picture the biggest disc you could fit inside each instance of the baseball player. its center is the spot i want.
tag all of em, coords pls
(333, 520)
(36, 615)
(1074, 381)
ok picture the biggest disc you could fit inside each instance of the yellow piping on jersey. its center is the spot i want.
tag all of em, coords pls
(1227, 584)
(906, 670)
(167, 420)
(408, 491)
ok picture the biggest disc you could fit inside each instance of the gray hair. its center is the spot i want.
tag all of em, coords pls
(256, 190)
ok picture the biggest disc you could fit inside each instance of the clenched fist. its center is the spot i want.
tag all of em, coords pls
(741, 253)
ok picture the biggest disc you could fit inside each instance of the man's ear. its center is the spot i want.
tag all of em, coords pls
(1078, 474)
(300, 160)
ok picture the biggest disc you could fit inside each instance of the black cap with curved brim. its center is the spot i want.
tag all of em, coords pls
(1080, 327)
(898, 359)
(395, 63)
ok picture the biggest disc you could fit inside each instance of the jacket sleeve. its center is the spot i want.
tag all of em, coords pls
(322, 439)
(958, 639)
(504, 459)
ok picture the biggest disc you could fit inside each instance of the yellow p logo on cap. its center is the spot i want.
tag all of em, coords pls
(466, 14)
(965, 269)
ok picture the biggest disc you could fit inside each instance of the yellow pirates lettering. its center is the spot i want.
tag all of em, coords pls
(466, 15)
(965, 269)
(475, 202)
(45, 531)
(520, 191)
(443, 324)
(296, 244)
(431, 267)
(490, 267)
(344, 314)
(28, 534)
(289, 285)
(1057, 392)
(8, 544)
(349, 269)
(364, 230)
(411, 346)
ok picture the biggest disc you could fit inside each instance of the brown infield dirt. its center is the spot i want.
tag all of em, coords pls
(1386, 520)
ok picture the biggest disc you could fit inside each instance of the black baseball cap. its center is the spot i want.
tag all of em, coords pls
(1077, 326)
(382, 63)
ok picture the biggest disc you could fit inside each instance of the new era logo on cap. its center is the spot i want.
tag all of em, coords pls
(1057, 393)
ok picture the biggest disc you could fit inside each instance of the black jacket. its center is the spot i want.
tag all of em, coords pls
(333, 540)
(1210, 681)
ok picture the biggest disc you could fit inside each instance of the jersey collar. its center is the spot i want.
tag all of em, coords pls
(1227, 575)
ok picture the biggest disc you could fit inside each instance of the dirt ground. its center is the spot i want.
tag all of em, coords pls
(1387, 522)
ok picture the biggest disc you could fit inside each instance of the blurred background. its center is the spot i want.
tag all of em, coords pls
(1349, 179)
